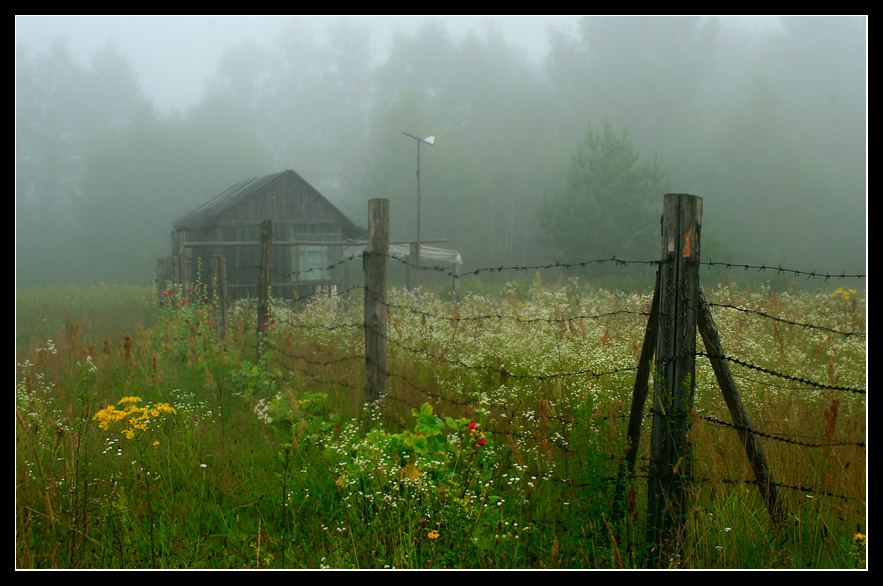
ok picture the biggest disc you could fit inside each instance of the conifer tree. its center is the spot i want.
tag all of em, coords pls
(610, 203)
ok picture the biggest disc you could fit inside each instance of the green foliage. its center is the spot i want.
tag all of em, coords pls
(422, 450)
(609, 204)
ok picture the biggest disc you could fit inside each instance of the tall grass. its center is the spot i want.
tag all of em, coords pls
(498, 446)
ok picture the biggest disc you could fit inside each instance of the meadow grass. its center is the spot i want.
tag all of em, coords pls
(145, 440)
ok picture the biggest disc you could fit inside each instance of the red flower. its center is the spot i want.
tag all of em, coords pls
(475, 433)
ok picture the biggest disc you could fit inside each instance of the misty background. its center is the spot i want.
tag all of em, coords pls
(124, 124)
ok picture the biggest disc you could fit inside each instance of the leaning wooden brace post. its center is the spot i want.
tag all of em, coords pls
(674, 382)
(756, 456)
(639, 398)
(264, 282)
(374, 261)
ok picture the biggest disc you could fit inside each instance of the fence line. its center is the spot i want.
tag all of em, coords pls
(377, 371)
(489, 368)
(778, 269)
(571, 319)
(491, 429)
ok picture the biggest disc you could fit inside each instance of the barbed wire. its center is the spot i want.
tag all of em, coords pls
(326, 294)
(516, 268)
(516, 318)
(321, 269)
(783, 376)
(620, 262)
(779, 270)
(785, 321)
(331, 328)
(307, 359)
(779, 438)
(794, 487)
(767, 384)
(505, 374)
(330, 267)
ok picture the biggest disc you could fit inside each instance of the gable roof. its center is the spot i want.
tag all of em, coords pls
(205, 214)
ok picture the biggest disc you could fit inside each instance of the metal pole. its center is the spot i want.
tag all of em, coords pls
(417, 254)
(428, 140)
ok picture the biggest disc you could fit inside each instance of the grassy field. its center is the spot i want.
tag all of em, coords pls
(146, 440)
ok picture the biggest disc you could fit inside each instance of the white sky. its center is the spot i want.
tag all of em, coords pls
(173, 55)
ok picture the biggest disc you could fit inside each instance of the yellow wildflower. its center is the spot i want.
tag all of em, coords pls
(845, 294)
(136, 418)
(433, 534)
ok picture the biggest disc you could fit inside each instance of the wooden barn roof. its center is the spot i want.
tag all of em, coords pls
(206, 214)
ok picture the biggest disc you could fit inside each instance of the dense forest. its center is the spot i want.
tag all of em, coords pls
(565, 159)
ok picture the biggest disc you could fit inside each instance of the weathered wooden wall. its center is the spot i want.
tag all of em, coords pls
(298, 212)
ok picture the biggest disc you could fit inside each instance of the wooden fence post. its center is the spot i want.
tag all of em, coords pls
(219, 291)
(410, 271)
(264, 281)
(178, 269)
(162, 274)
(374, 261)
(670, 454)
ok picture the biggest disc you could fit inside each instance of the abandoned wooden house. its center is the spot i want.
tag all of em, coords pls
(230, 225)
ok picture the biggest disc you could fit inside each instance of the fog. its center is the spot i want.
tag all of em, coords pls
(124, 124)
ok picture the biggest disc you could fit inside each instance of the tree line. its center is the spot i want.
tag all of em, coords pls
(563, 159)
